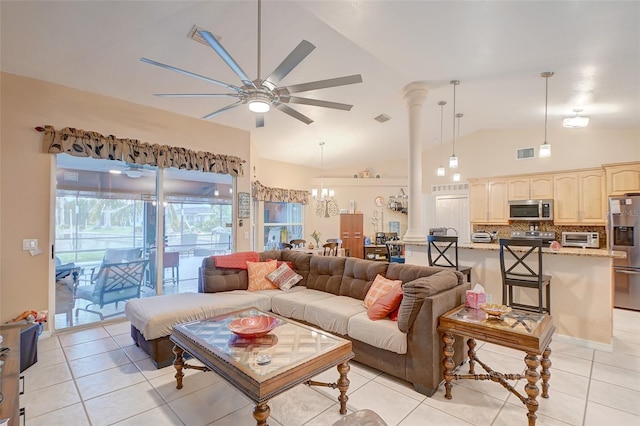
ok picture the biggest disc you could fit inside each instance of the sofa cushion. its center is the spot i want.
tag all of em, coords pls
(332, 314)
(155, 316)
(258, 272)
(379, 288)
(386, 304)
(325, 273)
(382, 334)
(271, 254)
(213, 280)
(292, 304)
(406, 273)
(414, 293)
(358, 276)
(284, 277)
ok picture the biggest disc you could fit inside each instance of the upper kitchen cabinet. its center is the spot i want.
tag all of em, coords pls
(622, 178)
(533, 187)
(488, 201)
(579, 198)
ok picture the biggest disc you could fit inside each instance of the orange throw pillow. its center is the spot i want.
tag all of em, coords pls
(386, 304)
(379, 288)
(258, 272)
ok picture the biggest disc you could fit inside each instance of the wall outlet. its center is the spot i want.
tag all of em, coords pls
(29, 244)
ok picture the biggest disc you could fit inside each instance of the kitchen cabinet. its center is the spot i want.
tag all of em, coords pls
(532, 187)
(488, 201)
(351, 229)
(579, 198)
(622, 178)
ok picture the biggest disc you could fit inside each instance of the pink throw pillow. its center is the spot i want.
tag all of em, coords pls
(386, 304)
(379, 288)
(258, 272)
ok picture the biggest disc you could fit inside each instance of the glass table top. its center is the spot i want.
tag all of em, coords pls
(287, 345)
(517, 321)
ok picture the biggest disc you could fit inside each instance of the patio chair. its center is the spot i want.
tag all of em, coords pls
(114, 283)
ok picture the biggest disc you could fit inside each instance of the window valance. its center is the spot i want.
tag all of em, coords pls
(83, 143)
(265, 193)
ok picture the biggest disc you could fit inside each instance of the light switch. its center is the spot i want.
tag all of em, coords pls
(246, 235)
(29, 244)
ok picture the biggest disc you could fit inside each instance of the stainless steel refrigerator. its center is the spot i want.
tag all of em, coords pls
(624, 235)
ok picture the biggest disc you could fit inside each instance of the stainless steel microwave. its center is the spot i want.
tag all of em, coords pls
(531, 210)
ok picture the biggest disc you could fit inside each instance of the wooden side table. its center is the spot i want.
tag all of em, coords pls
(525, 331)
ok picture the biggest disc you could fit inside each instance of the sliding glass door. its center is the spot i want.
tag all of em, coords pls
(107, 232)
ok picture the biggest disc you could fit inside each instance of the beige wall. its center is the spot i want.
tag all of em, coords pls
(25, 171)
(487, 153)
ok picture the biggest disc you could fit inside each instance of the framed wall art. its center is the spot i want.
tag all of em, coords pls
(244, 205)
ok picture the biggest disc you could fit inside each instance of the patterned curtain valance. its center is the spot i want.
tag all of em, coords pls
(83, 143)
(265, 193)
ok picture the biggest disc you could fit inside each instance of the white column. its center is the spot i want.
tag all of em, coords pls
(415, 95)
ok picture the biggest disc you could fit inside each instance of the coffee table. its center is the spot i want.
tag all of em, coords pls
(297, 353)
(526, 331)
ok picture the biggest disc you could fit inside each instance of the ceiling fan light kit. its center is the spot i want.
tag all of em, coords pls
(261, 95)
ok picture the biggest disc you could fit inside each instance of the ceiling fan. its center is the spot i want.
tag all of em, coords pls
(261, 94)
(133, 171)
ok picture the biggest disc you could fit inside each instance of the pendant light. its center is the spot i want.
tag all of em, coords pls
(442, 104)
(545, 148)
(326, 204)
(456, 176)
(453, 160)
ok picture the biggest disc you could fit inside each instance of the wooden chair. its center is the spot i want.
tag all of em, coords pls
(299, 243)
(446, 248)
(520, 274)
(330, 249)
(284, 246)
(335, 240)
(115, 282)
(170, 260)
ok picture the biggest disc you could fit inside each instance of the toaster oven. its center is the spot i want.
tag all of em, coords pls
(581, 239)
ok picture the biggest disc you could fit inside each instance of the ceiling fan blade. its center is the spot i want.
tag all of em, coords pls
(194, 95)
(323, 84)
(221, 110)
(259, 120)
(295, 114)
(226, 57)
(191, 74)
(290, 62)
(317, 102)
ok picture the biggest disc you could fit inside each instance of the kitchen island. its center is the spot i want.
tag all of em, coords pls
(581, 286)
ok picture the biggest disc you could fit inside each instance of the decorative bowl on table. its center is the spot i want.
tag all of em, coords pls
(495, 310)
(251, 327)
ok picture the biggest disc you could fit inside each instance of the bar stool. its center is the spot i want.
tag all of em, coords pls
(443, 259)
(521, 274)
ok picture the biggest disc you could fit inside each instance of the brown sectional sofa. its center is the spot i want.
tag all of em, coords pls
(329, 296)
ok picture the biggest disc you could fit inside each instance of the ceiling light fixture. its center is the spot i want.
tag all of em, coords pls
(441, 170)
(216, 193)
(326, 205)
(259, 102)
(456, 177)
(545, 148)
(453, 160)
(577, 121)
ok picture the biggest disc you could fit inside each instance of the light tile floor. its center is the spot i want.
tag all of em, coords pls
(97, 376)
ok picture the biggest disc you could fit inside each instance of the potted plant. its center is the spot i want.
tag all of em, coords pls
(316, 236)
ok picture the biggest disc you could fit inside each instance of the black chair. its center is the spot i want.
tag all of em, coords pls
(520, 274)
(394, 252)
(446, 248)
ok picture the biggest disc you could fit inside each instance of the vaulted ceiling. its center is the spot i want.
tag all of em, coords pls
(497, 49)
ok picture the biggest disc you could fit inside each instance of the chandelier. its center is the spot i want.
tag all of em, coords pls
(326, 205)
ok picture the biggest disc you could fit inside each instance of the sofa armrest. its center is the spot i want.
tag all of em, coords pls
(416, 291)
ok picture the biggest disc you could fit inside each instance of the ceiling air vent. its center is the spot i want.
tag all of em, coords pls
(382, 118)
(524, 153)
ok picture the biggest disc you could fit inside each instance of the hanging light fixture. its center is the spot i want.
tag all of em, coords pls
(545, 148)
(453, 160)
(442, 104)
(456, 176)
(326, 205)
(577, 121)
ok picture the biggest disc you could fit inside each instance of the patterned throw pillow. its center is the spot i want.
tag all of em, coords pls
(386, 304)
(379, 288)
(258, 272)
(284, 277)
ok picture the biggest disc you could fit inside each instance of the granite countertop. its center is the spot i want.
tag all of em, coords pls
(568, 251)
